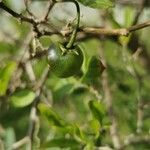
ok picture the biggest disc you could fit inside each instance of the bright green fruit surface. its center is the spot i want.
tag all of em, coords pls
(65, 62)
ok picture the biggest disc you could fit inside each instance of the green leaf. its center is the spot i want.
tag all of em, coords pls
(94, 71)
(9, 138)
(79, 135)
(62, 92)
(98, 110)
(22, 98)
(5, 75)
(97, 3)
(94, 126)
(6, 48)
(52, 117)
(62, 143)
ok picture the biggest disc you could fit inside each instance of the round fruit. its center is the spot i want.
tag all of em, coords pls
(65, 62)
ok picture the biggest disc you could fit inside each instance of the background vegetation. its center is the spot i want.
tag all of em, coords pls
(104, 107)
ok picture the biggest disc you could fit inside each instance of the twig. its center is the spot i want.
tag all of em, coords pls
(139, 12)
(104, 148)
(121, 31)
(30, 20)
(33, 127)
(20, 143)
(103, 31)
(140, 108)
(30, 72)
(51, 4)
(108, 101)
(34, 121)
(139, 26)
(27, 8)
(16, 15)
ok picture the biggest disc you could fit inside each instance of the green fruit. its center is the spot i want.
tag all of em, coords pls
(65, 62)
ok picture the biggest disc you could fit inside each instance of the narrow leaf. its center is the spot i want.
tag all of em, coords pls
(52, 117)
(79, 135)
(98, 110)
(5, 75)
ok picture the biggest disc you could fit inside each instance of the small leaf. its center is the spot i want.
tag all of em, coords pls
(98, 110)
(22, 98)
(5, 75)
(97, 3)
(52, 117)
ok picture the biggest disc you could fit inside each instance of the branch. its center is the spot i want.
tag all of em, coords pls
(121, 31)
(30, 20)
(16, 15)
(139, 26)
(89, 30)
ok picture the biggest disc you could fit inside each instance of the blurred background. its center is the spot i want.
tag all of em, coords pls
(65, 118)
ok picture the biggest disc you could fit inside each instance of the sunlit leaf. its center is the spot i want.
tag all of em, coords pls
(22, 98)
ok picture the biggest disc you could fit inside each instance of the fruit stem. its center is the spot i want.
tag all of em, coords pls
(73, 36)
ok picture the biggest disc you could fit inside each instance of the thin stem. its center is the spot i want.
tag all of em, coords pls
(16, 15)
(20, 143)
(51, 4)
(73, 36)
(139, 26)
